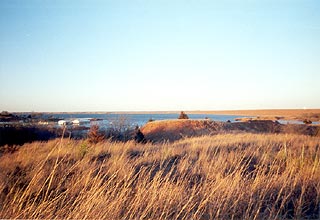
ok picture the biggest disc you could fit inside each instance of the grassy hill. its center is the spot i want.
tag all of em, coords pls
(172, 130)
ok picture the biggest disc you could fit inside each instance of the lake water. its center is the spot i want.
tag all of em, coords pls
(109, 119)
(137, 119)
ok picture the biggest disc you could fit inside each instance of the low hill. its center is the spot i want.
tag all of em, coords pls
(176, 129)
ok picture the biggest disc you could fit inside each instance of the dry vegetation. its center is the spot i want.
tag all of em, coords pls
(247, 176)
(176, 129)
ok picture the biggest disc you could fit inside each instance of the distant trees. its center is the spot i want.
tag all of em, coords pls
(183, 115)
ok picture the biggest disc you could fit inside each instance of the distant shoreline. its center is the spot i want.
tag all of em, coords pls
(256, 112)
(261, 112)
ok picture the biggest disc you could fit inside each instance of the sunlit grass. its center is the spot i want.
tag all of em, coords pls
(248, 176)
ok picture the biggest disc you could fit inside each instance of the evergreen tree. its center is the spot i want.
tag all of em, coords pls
(183, 115)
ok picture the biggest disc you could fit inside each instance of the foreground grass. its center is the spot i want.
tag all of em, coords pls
(248, 176)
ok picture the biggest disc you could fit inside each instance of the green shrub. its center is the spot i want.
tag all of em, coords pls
(83, 150)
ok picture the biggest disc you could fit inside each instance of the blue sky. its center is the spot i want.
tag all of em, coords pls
(159, 55)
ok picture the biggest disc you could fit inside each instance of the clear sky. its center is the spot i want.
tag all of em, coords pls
(73, 55)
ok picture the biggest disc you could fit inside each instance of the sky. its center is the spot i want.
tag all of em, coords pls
(145, 55)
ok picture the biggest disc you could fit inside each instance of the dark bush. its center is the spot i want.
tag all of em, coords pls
(18, 135)
(95, 135)
(139, 136)
(307, 121)
(183, 115)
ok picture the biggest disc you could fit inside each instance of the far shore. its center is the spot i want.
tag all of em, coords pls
(302, 115)
(251, 112)
(271, 114)
(260, 112)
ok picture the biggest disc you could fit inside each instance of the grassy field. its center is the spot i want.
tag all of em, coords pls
(247, 176)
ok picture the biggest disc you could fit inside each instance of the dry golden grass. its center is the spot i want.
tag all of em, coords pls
(179, 128)
(247, 176)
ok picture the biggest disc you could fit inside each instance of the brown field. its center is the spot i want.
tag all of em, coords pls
(225, 176)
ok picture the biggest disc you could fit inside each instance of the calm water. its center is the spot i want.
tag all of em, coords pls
(110, 119)
(137, 119)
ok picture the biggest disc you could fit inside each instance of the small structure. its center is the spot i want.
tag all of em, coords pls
(62, 122)
(76, 122)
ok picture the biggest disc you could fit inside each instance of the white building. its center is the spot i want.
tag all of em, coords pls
(62, 122)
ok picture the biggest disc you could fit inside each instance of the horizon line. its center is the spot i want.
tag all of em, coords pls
(163, 111)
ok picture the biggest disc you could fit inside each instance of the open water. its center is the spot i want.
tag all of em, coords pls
(136, 119)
